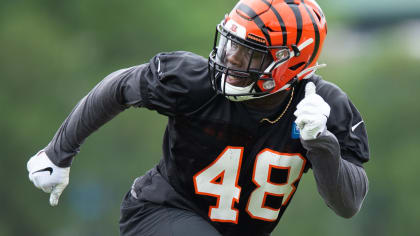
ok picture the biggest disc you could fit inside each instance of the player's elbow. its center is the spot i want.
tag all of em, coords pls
(347, 211)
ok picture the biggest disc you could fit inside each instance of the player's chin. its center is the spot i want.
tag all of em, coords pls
(238, 82)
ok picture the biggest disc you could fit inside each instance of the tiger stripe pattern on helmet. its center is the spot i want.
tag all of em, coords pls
(251, 13)
(298, 17)
(297, 25)
(280, 20)
(317, 37)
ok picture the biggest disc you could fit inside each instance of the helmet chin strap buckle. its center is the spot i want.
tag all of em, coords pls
(294, 81)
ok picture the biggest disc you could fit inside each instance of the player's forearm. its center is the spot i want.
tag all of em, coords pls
(342, 184)
(102, 104)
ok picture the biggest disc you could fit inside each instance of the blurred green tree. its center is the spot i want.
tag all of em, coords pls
(54, 52)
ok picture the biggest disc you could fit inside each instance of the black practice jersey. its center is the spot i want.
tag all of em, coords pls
(239, 172)
(219, 159)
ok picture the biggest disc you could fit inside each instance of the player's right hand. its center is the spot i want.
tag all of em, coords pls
(312, 114)
(47, 176)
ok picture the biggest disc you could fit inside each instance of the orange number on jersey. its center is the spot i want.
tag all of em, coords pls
(267, 160)
(225, 169)
(220, 180)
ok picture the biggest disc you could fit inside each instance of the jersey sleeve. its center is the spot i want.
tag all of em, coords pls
(179, 83)
(171, 83)
(346, 123)
(108, 98)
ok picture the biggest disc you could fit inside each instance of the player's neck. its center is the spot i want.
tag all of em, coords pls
(269, 102)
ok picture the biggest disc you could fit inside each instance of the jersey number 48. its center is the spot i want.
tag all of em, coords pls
(220, 180)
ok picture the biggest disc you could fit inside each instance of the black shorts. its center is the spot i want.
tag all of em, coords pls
(144, 218)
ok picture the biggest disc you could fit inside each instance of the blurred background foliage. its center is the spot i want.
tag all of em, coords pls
(54, 52)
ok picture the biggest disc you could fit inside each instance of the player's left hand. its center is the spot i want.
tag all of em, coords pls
(312, 114)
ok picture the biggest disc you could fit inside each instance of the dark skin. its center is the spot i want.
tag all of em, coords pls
(237, 57)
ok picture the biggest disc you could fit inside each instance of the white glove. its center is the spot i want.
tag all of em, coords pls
(312, 114)
(47, 176)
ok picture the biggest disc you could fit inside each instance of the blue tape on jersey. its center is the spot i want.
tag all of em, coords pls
(295, 131)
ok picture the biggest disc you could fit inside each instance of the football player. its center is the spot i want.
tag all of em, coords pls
(243, 126)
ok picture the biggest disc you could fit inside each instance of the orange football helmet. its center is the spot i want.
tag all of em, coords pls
(283, 37)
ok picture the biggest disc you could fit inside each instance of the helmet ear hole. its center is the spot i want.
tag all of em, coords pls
(295, 67)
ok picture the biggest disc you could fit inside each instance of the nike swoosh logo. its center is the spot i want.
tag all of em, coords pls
(45, 169)
(355, 126)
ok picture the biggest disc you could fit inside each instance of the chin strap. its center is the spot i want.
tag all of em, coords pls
(312, 69)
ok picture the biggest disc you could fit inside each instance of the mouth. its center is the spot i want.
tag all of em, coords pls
(238, 82)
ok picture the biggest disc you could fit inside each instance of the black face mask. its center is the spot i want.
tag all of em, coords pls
(254, 59)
